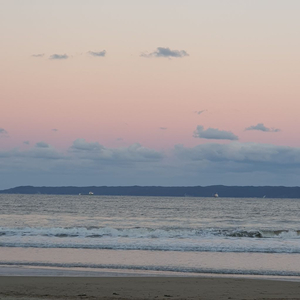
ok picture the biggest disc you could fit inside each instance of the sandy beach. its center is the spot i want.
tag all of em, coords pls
(145, 288)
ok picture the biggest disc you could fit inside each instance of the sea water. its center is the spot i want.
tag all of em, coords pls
(150, 235)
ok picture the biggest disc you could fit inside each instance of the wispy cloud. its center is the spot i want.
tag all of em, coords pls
(38, 55)
(97, 54)
(42, 145)
(214, 134)
(26, 142)
(163, 128)
(199, 112)
(54, 129)
(165, 52)
(58, 56)
(3, 131)
(262, 127)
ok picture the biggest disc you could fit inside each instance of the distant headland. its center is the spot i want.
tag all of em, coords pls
(174, 191)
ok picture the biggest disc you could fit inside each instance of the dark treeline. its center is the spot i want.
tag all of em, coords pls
(180, 191)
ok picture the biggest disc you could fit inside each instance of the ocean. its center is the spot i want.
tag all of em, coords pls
(85, 235)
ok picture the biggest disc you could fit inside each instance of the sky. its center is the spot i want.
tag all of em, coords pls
(171, 93)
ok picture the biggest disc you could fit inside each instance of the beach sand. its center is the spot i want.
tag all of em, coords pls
(19, 287)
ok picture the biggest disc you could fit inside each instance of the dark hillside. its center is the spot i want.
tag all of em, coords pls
(193, 191)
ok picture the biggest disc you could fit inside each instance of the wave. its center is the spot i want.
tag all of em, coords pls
(138, 232)
(182, 248)
(191, 270)
(162, 239)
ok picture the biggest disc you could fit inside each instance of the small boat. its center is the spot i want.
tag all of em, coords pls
(91, 193)
(216, 195)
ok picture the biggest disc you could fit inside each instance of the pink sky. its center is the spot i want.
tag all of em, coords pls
(242, 68)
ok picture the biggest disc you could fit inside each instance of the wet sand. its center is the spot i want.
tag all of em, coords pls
(19, 287)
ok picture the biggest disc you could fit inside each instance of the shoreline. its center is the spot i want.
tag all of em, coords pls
(42, 271)
(27, 287)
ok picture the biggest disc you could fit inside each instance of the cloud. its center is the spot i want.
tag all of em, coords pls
(239, 163)
(26, 142)
(97, 54)
(84, 162)
(214, 133)
(54, 129)
(199, 112)
(41, 151)
(119, 139)
(38, 55)
(42, 145)
(249, 153)
(97, 152)
(3, 131)
(58, 56)
(163, 128)
(82, 145)
(166, 52)
(90, 163)
(262, 127)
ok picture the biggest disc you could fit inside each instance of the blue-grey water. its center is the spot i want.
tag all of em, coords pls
(164, 234)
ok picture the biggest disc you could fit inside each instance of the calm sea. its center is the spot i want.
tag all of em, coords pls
(185, 236)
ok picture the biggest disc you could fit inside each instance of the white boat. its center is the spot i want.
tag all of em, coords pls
(91, 193)
(216, 195)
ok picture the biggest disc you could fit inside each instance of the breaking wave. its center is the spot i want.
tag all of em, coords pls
(162, 239)
(181, 233)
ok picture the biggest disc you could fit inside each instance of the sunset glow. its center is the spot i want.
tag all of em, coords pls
(123, 73)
